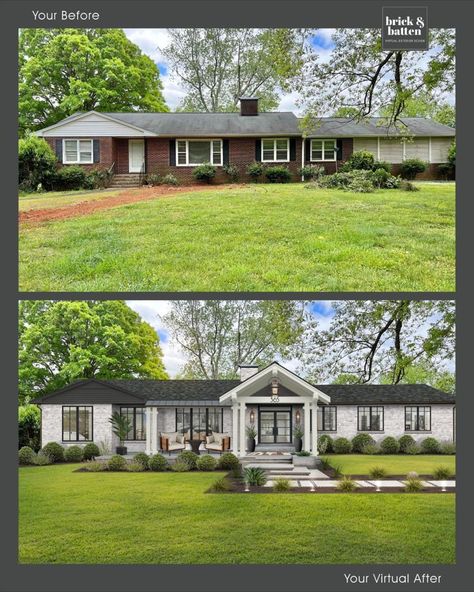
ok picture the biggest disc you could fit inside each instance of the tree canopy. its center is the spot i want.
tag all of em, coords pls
(389, 341)
(67, 340)
(62, 71)
(218, 66)
(219, 335)
(359, 76)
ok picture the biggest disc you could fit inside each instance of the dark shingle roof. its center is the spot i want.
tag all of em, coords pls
(360, 394)
(176, 390)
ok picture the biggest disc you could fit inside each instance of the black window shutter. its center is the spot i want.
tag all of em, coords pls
(59, 150)
(258, 150)
(172, 152)
(225, 151)
(307, 150)
(145, 155)
(96, 150)
(339, 149)
(292, 148)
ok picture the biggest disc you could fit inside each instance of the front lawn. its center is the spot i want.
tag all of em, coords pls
(251, 238)
(70, 517)
(360, 464)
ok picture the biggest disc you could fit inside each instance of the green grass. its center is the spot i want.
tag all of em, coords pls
(68, 517)
(423, 464)
(258, 237)
(56, 199)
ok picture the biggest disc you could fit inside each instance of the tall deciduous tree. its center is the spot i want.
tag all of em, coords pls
(219, 335)
(378, 341)
(63, 71)
(67, 340)
(218, 66)
(360, 76)
(423, 105)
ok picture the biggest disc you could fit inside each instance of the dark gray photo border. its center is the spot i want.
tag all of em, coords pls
(15, 577)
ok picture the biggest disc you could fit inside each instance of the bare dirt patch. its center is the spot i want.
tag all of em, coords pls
(127, 196)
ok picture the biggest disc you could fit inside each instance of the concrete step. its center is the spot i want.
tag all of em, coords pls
(126, 180)
(270, 466)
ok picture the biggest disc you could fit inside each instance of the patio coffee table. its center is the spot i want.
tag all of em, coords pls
(195, 444)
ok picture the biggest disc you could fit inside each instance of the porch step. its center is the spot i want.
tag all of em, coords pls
(126, 180)
(270, 467)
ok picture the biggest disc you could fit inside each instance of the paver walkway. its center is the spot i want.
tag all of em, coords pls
(317, 482)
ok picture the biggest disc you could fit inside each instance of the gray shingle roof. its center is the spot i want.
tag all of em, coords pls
(333, 127)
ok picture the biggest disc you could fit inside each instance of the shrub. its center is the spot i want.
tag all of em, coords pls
(255, 170)
(205, 172)
(448, 447)
(117, 463)
(389, 445)
(237, 472)
(392, 182)
(377, 472)
(370, 449)
(278, 174)
(411, 167)
(255, 476)
(141, 458)
(90, 451)
(228, 461)
(153, 179)
(412, 475)
(430, 446)
(281, 485)
(442, 473)
(311, 171)
(29, 425)
(36, 164)
(325, 444)
(26, 456)
(413, 485)
(452, 154)
(412, 449)
(342, 446)
(335, 181)
(220, 485)
(188, 457)
(73, 454)
(347, 484)
(359, 160)
(169, 179)
(157, 462)
(382, 164)
(303, 453)
(206, 463)
(359, 185)
(95, 466)
(405, 442)
(180, 467)
(135, 467)
(98, 179)
(54, 451)
(42, 459)
(407, 186)
(70, 177)
(361, 440)
(232, 171)
(380, 178)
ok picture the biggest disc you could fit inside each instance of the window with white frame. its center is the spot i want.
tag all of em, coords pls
(323, 150)
(196, 152)
(78, 152)
(275, 150)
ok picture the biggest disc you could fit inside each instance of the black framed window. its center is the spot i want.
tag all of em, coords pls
(77, 424)
(137, 418)
(327, 418)
(417, 419)
(370, 419)
(199, 421)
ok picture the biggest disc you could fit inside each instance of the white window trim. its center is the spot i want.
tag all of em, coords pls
(275, 140)
(78, 155)
(323, 159)
(187, 140)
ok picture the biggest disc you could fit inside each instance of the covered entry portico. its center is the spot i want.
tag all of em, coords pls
(274, 401)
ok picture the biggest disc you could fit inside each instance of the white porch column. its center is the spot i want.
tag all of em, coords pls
(148, 429)
(235, 427)
(242, 430)
(315, 428)
(154, 430)
(307, 434)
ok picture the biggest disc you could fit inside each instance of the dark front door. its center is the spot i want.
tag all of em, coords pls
(275, 426)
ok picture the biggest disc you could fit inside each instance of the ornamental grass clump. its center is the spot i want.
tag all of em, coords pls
(377, 472)
(281, 485)
(255, 476)
(347, 484)
(180, 467)
(413, 485)
(442, 473)
(221, 485)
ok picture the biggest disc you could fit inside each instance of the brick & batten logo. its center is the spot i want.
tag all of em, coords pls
(405, 27)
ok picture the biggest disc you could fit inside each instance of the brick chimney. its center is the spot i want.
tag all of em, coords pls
(247, 372)
(248, 106)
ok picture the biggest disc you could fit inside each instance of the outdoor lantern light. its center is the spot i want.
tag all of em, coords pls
(443, 485)
(275, 398)
(247, 487)
(252, 416)
(298, 416)
(377, 485)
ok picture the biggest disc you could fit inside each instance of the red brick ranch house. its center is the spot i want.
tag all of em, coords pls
(132, 143)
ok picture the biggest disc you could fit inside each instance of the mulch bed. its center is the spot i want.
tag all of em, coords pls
(128, 196)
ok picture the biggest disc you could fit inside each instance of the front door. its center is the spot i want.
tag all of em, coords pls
(275, 426)
(136, 155)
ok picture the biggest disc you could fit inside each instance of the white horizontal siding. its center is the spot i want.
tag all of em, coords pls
(94, 125)
(418, 148)
(391, 150)
(366, 144)
(439, 149)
